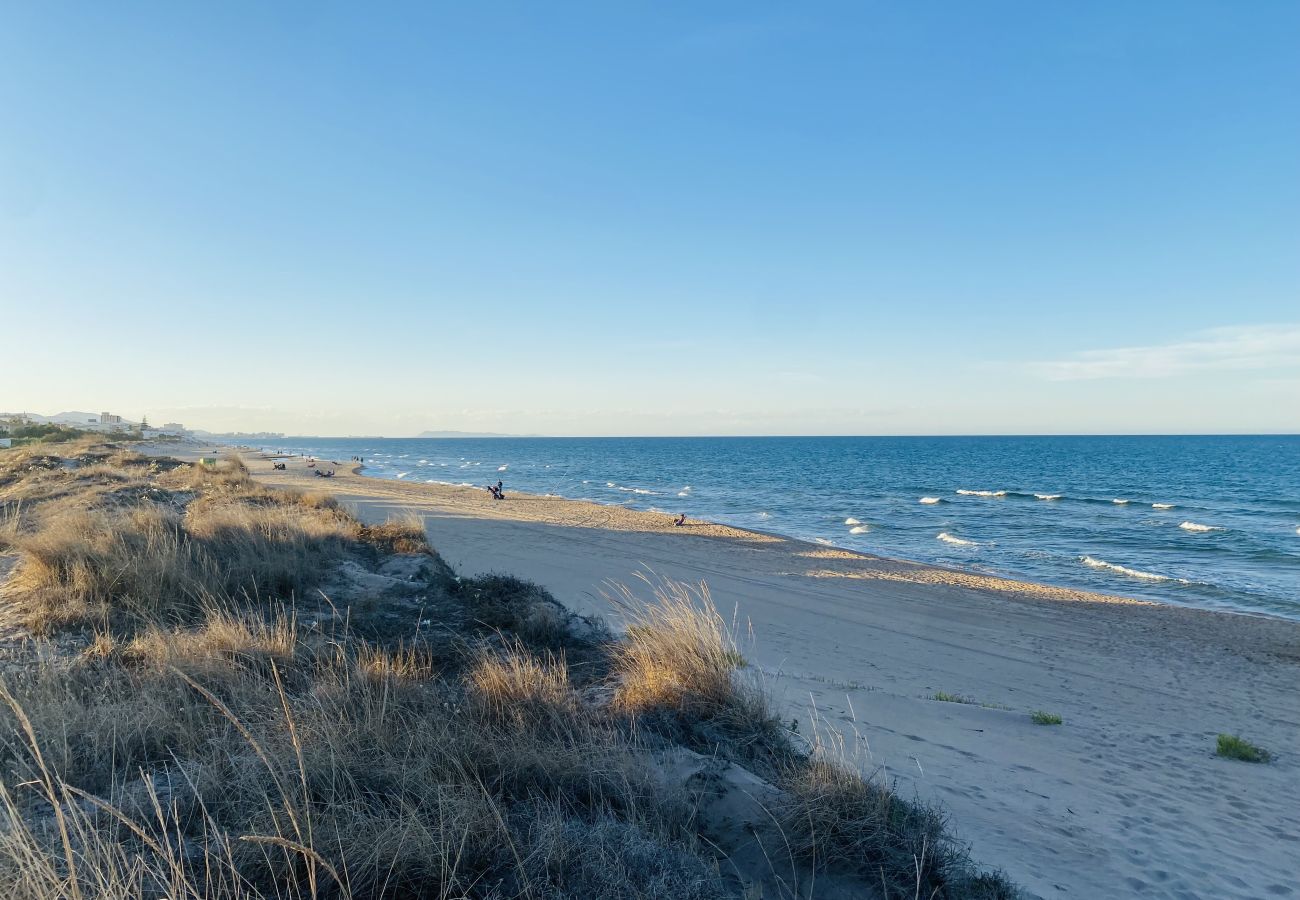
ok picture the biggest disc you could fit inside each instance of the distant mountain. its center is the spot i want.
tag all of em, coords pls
(466, 434)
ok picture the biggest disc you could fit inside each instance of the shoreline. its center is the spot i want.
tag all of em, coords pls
(1126, 797)
(1008, 583)
(1087, 540)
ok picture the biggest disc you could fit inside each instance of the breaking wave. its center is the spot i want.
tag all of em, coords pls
(1120, 501)
(970, 493)
(859, 529)
(929, 500)
(1123, 570)
(1048, 496)
(1198, 527)
(1162, 506)
(949, 539)
(851, 521)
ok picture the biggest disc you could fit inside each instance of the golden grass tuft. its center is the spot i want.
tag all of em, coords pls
(678, 652)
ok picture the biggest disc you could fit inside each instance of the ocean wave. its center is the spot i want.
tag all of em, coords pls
(684, 492)
(1048, 496)
(824, 541)
(851, 521)
(859, 529)
(1198, 527)
(765, 515)
(949, 539)
(1123, 570)
(1120, 501)
(637, 491)
(970, 493)
(1162, 506)
(402, 474)
(503, 468)
(929, 500)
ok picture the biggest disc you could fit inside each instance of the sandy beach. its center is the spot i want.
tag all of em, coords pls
(1126, 798)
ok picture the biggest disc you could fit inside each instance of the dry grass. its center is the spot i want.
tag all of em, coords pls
(679, 671)
(839, 819)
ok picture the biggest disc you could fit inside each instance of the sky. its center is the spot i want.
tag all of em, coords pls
(654, 218)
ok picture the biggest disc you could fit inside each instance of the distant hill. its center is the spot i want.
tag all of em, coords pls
(467, 434)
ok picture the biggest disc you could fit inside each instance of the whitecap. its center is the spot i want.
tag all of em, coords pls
(765, 515)
(1123, 570)
(683, 493)
(402, 474)
(1048, 496)
(860, 529)
(851, 521)
(1119, 501)
(929, 500)
(970, 493)
(1162, 506)
(1198, 527)
(610, 484)
(949, 539)
(823, 541)
(503, 468)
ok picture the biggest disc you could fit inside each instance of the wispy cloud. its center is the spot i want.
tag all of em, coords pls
(1239, 348)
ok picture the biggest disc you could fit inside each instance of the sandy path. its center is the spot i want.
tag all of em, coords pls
(1125, 799)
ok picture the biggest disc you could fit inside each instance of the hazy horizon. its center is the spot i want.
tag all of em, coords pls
(740, 220)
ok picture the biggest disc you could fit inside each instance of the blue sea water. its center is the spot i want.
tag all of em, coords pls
(1200, 521)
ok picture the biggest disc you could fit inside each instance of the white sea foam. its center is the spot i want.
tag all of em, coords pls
(610, 484)
(1197, 526)
(929, 500)
(1048, 496)
(1162, 506)
(765, 515)
(970, 493)
(859, 529)
(851, 521)
(1119, 501)
(823, 541)
(1123, 570)
(402, 474)
(683, 493)
(949, 539)
(503, 468)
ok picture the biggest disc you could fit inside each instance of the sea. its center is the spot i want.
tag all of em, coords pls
(1210, 522)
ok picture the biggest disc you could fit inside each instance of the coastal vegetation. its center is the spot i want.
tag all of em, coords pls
(215, 689)
(1231, 746)
(1041, 717)
(947, 697)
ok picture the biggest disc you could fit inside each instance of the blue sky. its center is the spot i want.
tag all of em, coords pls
(869, 218)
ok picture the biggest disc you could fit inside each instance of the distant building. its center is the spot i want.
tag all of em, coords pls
(172, 428)
(109, 419)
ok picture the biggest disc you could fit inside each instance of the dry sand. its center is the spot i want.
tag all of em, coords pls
(1127, 798)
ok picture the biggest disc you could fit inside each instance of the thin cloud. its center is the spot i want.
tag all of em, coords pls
(1240, 348)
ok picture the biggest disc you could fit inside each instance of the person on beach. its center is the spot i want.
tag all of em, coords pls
(681, 520)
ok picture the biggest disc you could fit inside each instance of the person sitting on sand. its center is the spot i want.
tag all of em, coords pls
(681, 520)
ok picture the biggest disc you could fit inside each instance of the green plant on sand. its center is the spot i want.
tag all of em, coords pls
(1231, 746)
